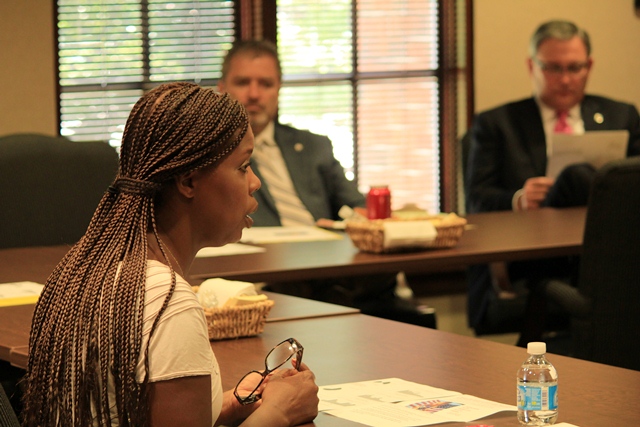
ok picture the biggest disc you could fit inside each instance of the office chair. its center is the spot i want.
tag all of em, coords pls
(609, 272)
(8, 418)
(50, 187)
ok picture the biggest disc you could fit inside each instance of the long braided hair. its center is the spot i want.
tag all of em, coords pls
(87, 325)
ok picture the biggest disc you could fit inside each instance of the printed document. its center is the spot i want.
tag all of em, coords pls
(394, 402)
(596, 148)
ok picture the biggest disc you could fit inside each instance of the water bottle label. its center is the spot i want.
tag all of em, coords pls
(537, 398)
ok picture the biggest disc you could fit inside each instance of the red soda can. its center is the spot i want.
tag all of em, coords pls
(379, 202)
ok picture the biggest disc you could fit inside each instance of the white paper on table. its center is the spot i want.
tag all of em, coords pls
(382, 415)
(460, 408)
(18, 293)
(259, 235)
(595, 147)
(229, 249)
(363, 393)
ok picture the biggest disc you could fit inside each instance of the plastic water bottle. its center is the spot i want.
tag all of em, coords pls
(537, 388)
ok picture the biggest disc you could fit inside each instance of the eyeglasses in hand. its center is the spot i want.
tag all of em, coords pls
(247, 389)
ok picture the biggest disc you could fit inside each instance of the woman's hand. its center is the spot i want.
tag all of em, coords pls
(289, 398)
(294, 393)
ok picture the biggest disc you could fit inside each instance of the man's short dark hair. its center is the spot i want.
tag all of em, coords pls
(562, 30)
(255, 48)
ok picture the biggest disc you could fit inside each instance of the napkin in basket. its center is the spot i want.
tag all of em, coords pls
(218, 292)
(400, 234)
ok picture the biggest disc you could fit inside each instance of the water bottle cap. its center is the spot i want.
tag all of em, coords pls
(536, 348)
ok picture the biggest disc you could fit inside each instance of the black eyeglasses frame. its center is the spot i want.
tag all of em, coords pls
(253, 396)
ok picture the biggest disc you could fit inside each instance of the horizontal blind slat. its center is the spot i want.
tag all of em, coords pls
(101, 44)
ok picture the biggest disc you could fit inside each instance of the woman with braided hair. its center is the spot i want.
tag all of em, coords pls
(118, 337)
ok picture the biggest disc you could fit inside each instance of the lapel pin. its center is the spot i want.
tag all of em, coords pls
(298, 146)
(598, 118)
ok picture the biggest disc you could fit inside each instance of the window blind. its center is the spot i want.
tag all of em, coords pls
(326, 110)
(187, 39)
(384, 120)
(111, 51)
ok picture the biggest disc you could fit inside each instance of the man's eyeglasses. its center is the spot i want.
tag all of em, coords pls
(558, 70)
(247, 389)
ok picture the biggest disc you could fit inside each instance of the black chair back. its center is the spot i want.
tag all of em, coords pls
(8, 417)
(609, 270)
(50, 187)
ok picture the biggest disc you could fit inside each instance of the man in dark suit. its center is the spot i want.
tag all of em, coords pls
(508, 156)
(509, 144)
(302, 182)
(317, 177)
(251, 73)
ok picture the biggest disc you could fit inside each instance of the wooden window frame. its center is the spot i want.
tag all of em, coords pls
(261, 23)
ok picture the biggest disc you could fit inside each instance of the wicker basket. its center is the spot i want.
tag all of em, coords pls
(235, 322)
(368, 236)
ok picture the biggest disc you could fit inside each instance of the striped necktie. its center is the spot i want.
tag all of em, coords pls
(276, 176)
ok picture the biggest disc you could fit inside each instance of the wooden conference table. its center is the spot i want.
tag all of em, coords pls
(15, 321)
(367, 348)
(358, 347)
(493, 236)
(364, 348)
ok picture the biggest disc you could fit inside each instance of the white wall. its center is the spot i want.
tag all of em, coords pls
(502, 31)
(28, 96)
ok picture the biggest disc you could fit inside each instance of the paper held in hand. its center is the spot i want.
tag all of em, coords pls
(596, 148)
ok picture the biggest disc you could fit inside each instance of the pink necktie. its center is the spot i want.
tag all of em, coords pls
(561, 124)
